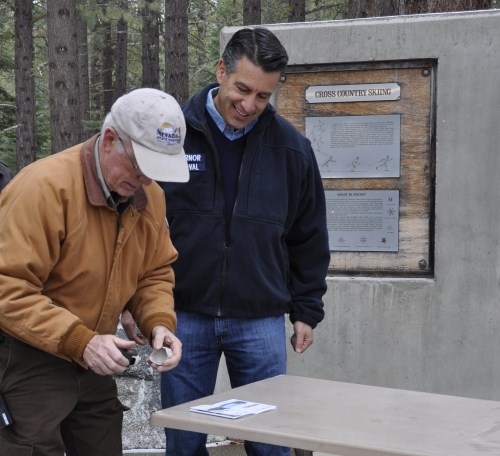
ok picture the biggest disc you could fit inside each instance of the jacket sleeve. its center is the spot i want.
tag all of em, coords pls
(32, 227)
(153, 301)
(308, 249)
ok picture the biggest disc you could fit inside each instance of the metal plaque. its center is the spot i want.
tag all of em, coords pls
(353, 92)
(356, 146)
(363, 220)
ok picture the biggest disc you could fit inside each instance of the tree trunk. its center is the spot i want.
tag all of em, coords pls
(251, 12)
(25, 84)
(83, 71)
(107, 60)
(64, 94)
(121, 53)
(176, 49)
(150, 46)
(95, 76)
(297, 11)
(101, 68)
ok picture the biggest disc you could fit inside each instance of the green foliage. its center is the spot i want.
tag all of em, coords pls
(275, 12)
(323, 10)
(7, 130)
(7, 100)
(204, 21)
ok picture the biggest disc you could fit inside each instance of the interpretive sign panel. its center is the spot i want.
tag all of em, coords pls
(371, 126)
(356, 146)
(363, 220)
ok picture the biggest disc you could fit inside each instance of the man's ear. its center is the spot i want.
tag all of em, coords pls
(221, 70)
(108, 138)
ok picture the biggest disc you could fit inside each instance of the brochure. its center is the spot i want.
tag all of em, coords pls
(233, 408)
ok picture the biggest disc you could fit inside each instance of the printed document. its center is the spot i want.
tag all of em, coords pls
(233, 408)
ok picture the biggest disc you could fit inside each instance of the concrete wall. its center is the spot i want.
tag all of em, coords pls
(442, 334)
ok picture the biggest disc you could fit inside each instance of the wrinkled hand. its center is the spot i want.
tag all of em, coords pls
(163, 337)
(302, 337)
(130, 328)
(103, 356)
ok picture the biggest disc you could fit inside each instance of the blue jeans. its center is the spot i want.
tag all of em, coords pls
(254, 350)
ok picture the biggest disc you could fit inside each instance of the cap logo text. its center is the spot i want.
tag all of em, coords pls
(168, 135)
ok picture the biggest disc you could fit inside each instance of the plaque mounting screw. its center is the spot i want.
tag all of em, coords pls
(426, 72)
(422, 265)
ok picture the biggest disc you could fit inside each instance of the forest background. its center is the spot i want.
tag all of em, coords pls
(64, 62)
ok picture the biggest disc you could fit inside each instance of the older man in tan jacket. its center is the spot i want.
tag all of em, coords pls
(82, 236)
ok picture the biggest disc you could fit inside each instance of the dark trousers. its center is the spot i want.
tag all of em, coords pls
(56, 406)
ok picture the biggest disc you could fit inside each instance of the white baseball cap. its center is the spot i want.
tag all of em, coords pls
(155, 123)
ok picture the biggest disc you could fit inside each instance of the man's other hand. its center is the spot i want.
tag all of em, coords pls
(130, 328)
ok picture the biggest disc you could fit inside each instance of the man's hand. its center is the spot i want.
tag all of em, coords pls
(163, 337)
(103, 356)
(302, 337)
(130, 328)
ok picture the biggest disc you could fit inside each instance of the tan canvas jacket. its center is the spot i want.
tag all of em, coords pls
(69, 264)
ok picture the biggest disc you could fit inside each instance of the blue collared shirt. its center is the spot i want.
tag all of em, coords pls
(228, 131)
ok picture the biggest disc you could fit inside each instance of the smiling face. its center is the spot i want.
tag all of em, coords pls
(118, 165)
(245, 93)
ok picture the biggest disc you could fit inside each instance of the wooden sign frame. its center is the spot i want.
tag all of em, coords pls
(416, 183)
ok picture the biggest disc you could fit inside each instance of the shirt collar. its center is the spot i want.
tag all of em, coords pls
(228, 131)
(112, 200)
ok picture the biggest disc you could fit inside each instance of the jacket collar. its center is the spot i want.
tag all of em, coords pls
(93, 188)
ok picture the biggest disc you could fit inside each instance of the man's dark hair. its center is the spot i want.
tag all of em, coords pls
(260, 46)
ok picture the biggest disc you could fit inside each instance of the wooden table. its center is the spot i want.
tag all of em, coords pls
(348, 419)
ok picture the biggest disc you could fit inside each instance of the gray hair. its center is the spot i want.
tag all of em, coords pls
(110, 123)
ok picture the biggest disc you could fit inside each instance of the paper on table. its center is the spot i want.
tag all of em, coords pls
(233, 408)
